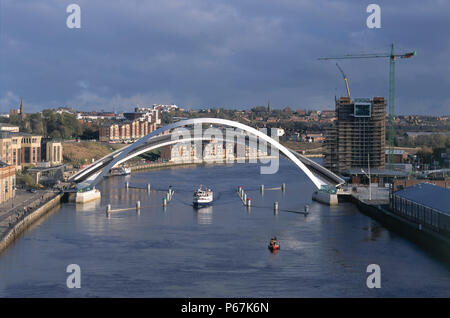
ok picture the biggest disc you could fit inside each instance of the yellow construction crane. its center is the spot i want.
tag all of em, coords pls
(346, 81)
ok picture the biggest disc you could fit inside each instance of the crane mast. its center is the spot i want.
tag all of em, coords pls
(392, 58)
(345, 79)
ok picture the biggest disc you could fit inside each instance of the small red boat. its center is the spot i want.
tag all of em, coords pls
(274, 244)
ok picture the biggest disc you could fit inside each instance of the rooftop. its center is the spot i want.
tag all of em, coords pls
(7, 125)
(3, 164)
(429, 195)
(378, 172)
(396, 152)
(8, 134)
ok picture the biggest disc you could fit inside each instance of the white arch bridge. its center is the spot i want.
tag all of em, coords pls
(95, 172)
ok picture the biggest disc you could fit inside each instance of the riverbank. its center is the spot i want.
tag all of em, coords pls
(12, 228)
(431, 241)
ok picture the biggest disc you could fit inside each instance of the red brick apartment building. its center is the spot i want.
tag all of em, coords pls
(126, 131)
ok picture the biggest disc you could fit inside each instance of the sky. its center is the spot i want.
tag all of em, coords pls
(220, 53)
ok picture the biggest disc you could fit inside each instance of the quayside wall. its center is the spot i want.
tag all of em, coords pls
(20, 226)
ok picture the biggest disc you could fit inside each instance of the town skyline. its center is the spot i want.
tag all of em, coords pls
(130, 108)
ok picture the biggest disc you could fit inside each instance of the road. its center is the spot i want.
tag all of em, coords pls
(23, 202)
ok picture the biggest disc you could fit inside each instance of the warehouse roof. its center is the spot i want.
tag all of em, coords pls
(429, 195)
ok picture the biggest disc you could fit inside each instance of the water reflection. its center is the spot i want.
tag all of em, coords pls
(204, 214)
(88, 206)
(374, 231)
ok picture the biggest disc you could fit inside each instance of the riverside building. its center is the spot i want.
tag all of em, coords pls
(7, 182)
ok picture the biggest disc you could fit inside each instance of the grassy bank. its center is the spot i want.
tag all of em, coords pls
(78, 153)
(308, 147)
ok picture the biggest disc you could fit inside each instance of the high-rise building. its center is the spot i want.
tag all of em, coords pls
(357, 138)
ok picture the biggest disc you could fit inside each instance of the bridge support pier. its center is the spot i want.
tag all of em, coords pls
(325, 197)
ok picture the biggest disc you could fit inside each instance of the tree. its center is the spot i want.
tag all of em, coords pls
(26, 179)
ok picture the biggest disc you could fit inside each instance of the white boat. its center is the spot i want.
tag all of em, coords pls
(203, 197)
(119, 171)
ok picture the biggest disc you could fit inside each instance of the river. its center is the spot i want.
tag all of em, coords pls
(220, 251)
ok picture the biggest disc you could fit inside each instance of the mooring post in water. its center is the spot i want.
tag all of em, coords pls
(262, 188)
(275, 207)
(249, 202)
(306, 209)
(165, 201)
(138, 205)
(148, 187)
(108, 209)
(245, 197)
(127, 184)
(283, 187)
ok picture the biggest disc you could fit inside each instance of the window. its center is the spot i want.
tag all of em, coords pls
(27, 154)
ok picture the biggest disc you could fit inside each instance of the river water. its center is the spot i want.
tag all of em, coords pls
(220, 251)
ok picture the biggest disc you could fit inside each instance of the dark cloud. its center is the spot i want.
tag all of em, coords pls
(199, 53)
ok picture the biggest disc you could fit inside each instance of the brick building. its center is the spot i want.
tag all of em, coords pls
(126, 131)
(20, 149)
(7, 182)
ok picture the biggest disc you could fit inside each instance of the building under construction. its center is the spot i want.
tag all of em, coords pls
(358, 136)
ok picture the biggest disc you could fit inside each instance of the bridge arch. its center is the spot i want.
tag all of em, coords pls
(126, 153)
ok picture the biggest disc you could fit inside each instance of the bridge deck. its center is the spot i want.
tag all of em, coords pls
(320, 172)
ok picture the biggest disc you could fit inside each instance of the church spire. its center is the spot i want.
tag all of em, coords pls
(22, 114)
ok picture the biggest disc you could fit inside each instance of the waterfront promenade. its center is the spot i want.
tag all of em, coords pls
(20, 211)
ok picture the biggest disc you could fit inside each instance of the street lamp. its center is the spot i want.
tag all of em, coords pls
(368, 175)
